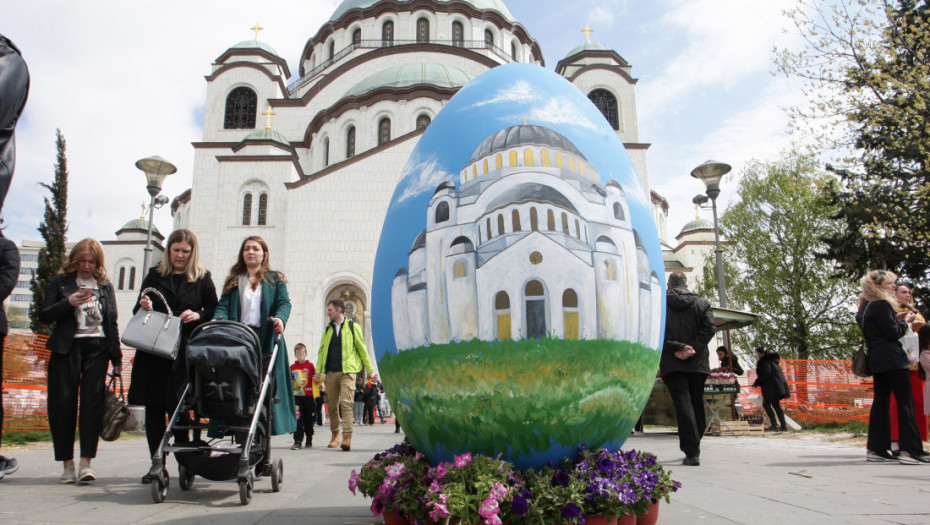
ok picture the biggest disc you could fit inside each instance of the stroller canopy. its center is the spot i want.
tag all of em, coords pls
(223, 344)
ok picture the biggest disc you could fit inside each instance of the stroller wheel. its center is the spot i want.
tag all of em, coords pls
(159, 488)
(277, 475)
(185, 478)
(245, 489)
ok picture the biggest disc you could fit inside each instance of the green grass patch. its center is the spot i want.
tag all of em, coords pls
(520, 398)
(23, 438)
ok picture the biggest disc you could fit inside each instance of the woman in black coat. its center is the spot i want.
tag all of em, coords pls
(82, 304)
(882, 327)
(774, 387)
(187, 287)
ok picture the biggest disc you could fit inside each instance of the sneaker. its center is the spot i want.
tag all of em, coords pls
(296, 446)
(7, 466)
(879, 457)
(147, 478)
(915, 456)
(68, 475)
(691, 461)
(86, 474)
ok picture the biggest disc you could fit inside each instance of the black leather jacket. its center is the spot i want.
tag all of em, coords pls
(14, 87)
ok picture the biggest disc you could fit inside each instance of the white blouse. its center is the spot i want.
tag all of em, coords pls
(250, 302)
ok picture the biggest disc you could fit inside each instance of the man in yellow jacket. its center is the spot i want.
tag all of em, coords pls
(341, 357)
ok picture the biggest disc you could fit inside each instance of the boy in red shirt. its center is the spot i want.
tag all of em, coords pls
(301, 372)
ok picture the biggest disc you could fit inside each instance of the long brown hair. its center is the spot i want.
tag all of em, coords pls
(82, 248)
(194, 270)
(264, 269)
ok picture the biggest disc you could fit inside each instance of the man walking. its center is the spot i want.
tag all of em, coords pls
(341, 357)
(689, 326)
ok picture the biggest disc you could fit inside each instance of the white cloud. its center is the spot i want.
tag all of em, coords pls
(520, 92)
(428, 176)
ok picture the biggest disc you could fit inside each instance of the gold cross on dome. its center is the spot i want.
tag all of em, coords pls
(697, 213)
(256, 28)
(143, 212)
(268, 114)
(587, 34)
(524, 117)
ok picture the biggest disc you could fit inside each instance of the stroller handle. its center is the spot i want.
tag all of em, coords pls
(223, 322)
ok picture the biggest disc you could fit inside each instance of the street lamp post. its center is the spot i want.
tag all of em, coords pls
(156, 169)
(710, 173)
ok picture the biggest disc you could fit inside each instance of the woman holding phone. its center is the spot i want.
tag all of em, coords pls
(82, 304)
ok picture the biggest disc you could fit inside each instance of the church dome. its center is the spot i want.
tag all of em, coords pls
(139, 225)
(531, 192)
(697, 224)
(411, 75)
(588, 46)
(255, 44)
(260, 135)
(493, 5)
(526, 134)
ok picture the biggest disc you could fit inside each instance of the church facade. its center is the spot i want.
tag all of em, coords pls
(309, 162)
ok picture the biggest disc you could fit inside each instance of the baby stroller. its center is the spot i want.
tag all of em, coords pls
(232, 385)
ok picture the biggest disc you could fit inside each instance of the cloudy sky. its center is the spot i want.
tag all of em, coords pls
(125, 80)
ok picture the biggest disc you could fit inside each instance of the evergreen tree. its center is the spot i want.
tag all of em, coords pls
(54, 229)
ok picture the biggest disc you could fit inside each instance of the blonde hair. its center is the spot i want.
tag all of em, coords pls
(193, 270)
(82, 248)
(872, 289)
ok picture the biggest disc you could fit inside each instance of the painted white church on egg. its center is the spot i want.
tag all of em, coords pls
(529, 246)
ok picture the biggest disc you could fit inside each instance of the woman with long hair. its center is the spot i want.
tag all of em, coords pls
(81, 302)
(158, 382)
(256, 295)
(882, 327)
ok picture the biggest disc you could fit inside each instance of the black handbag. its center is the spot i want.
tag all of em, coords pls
(154, 332)
(115, 411)
(860, 361)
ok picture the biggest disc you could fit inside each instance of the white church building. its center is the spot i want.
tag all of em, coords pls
(534, 247)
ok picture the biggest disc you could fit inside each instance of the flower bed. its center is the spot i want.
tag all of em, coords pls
(478, 489)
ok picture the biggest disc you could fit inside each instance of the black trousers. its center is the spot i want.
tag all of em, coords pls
(898, 382)
(687, 391)
(84, 368)
(773, 409)
(2, 338)
(306, 406)
(369, 414)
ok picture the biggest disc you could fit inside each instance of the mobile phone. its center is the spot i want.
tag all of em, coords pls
(85, 289)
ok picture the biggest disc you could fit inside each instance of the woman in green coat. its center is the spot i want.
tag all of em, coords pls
(256, 295)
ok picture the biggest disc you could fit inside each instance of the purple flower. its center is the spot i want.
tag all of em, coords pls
(571, 511)
(560, 479)
(463, 460)
(441, 471)
(498, 491)
(520, 505)
(354, 481)
(377, 506)
(488, 508)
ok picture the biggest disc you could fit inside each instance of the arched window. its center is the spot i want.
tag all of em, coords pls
(422, 30)
(565, 223)
(458, 34)
(606, 102)
(262, 209)
(356, 37)
(489, 228)
(132, 278)
(350, 142)
(459, 269)
(442, 212)
(488, 38)
(610, 270)
(513, 51)
(545, 158)
(618, 211)
(502, 315)
(384, 131)
(498, 161)
(423, 121)
(387, 34)
(514, 162)
(535, 310)
(247, 209)
(331, 50)
(325, 152)
(550, 220)
(500, 224)
(122, 277)
(529, 159)
(570, 314)
(515, 219)
(534, 220)
(241, 108)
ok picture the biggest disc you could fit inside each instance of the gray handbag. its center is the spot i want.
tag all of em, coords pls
(154, 332)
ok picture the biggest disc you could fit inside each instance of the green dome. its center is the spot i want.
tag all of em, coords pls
(138, 224)
(254, 44)
(697, 224)
(411, 75)
(588, 46)
(266, 134)
(493, 5)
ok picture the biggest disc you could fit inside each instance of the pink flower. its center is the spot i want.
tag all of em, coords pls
(488, 508)
(463, 460)
(434, 487)
(354, 481)
(439, 511)
(441, 471)
(494, 520)
(394, 470)
(498, 491)
(377, 506)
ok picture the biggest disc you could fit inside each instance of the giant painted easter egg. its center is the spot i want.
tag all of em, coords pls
(518, 285)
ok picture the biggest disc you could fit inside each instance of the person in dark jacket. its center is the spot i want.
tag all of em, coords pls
(82, 304)
(882, 327)
(728, 362)
(774, 387)
(9, 273)
(14, 89)
(158, 382)
(689, 326)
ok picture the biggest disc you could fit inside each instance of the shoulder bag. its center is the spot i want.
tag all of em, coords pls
(860, 360)
(115, 411)
(154, 332)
